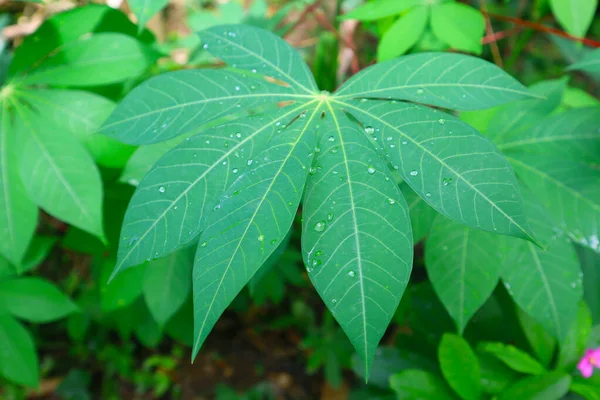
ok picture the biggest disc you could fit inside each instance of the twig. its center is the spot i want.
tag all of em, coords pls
(542, 28)
(490, 32)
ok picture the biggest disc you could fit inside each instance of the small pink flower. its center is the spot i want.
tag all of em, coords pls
(590, 360)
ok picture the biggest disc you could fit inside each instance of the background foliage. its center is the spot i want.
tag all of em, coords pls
(483, 315)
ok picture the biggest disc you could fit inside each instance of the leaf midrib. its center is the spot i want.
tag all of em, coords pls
(250, 221)
(540, 269)
(200, 177)
(531, 238)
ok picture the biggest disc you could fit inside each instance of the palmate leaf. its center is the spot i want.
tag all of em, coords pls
(234, 189)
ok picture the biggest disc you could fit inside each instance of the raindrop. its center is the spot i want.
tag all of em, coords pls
(414, 173)
(391, 201)
(319, 226)
(205, 46)
(204, 244)
(318, 253)
(261, 238)
(249, 162)
(175, 207)
(392, 146)
(317, 149)
(309, 270)
(446, 181)
(238, 135)
(226, 144)
(312, 170)
(231, 34)
(253, 70)
(419, 91)
(235, 170)
(351, 274)
(404, 142)
(371, 170)
(224, 162)
(389, 138)
(162, 189)
(330, 217)
(331, 139)
(428, 194)
(441, 121)
(333, 150)
(207, 141)
(302, 115)
(370, 130)
(237, 88)
(289, 203)
(334, 301)
(273, 241)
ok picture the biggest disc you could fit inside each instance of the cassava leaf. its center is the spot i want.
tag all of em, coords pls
(458, 25)
(356, 235)
(589, 63)
(145, 9)
(59, 175)
(421, 214)
(449, 164)
(252, 217)
(403, 34)
(574, 16)
(378, 9)
(18, 213)
(461, 268)
(446, 80)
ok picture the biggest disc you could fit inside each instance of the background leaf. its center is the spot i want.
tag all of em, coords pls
(145, 9)
(589, 63)
(515, 358)
(403, 34)
(379, 9)
(542, 344)
(574, 16)
(415, 384)
(460, 366)
(461, 267)
(551, 386)
(355, 222)
(421, 214)
(34, 300)
(18, 361)
(458, 25)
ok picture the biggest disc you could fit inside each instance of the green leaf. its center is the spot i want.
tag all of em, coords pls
(18, 361)
(167, 284)
(568, 189)
(421, 214)
(572, 134)
(252, 217)
(461, 82)
(34, 300)
(460, 367)
(166, 212)
(574, 16)
(461, 267)
(589, 261)
(58, 173)
(403, 34)
(18, 214)
(355, 221)
(546, 284)
(379, 9)
(551, 386)
(100, 59)
(458, 25)
(517, 119)
(145, 9)
(37, 252)
(144, 158)
(414, 384)
(515, 358)
(69, 26)
(589, 63)
(574, 344)
(450, 165)
(587, 390)
(542, 344)
(495, 375)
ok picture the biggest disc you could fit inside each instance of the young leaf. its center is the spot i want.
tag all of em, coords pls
(403, 34)
(572, 134)
(34, 300)
(145, 9)
(461, 267)
(98, 60)
(568, 189)
(576, 340)
(449, 164)
(379, 9)
(458, 25)
(18, 361)
(356, 235)
(123, 290)
(252, 217)
(544, 283)
(461, 82)
(460, 367)
(515, 358)
(589, 63)
(574, 16)
(167, 284)
(416, 384)
(551, 386)
(58, 173)
(18, 214)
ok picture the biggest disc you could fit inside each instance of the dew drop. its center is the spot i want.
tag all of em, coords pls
(312, 170)
(319, 226)
(231, 34)
(317, 149)
(207, 141)
(334, 150)
(414, 173)
(238, 135)
(289, 203)
(261, 238)
(428, 194)
(331, 139)
(204, 244)
(334, 301)
(253, 70)
(224, 162)
(351, 274)
(441, 121)
(419, 91)
(330, 217)
(249, 162)
(404, 142)
(205, 46)
(273, 241)
(391, 201)
(389, 138)
(370, 130)
(235, 170)
(162, 189)
(318, 253)
(371, 170)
